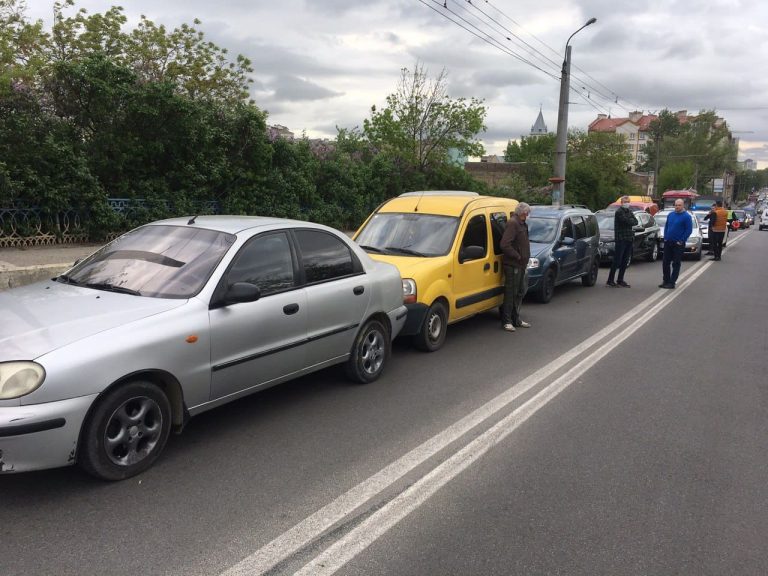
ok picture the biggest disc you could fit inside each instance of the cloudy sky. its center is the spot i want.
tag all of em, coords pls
(323, 63)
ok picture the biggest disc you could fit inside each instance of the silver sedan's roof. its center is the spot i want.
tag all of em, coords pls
(235, 224)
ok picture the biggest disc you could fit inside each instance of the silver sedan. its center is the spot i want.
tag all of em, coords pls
(100, 364)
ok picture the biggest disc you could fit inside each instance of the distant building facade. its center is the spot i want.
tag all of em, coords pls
(749, 164)
(634, 128)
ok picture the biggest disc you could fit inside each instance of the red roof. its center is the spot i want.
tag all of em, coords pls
(610, 124)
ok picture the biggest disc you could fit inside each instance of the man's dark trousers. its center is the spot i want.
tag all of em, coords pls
(716, 241)
(621, 253)
(673, 258)
(515, 287)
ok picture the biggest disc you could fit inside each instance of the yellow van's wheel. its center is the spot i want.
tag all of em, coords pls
(432, 334)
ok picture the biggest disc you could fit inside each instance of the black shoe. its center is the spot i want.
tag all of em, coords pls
(623, 284)
(717, 259)
(713, 258)
(667, 286)
(611, 283)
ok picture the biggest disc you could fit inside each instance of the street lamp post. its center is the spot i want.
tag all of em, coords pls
(558, 189)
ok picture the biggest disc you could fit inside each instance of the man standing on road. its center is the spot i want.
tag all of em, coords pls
(677, 230)
(517, 251)
(623, 236)
(717, 229)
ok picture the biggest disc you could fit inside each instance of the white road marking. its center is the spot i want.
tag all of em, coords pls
(309, 529)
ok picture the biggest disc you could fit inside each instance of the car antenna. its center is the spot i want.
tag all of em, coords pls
(192, 220)
(416, 208)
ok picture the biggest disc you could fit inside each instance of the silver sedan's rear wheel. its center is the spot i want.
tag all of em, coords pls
(369, 353)
(125, 432)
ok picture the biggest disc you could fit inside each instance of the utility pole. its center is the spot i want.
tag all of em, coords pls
(561, 140)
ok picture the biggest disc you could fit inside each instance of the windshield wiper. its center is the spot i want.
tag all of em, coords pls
(405, 251)
(112, 288)
(64, 279)
(372, 249)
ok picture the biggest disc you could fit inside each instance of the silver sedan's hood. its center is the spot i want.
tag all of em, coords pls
(41, 317)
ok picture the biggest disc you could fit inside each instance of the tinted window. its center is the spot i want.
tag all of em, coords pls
(591, 225)
(498, 224)
(567, 230)
(579, 227)
(324, 256)
(476, 233)
(265, 261)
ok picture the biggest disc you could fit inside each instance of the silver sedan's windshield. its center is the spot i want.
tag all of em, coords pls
(408, 234)
(158, 261)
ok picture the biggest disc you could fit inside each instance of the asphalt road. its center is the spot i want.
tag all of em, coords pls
(625, 433)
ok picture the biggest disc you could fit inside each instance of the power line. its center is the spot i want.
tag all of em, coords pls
(489, 40)
(615, 98)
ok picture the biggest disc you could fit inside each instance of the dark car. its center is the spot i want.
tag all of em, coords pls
(646, 241)
(741, 216)
(564, 246)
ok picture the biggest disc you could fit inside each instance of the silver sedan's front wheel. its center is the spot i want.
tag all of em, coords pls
(125, 432)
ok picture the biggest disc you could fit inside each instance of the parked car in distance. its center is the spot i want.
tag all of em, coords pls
(763, 223)
(695, 243)
(564, 246)
(174, 318)
(645, 243)
(704, 227)
(646, 205)
(742, 218)
(446, 245)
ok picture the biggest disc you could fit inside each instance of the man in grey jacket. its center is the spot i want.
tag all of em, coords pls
(517, 251)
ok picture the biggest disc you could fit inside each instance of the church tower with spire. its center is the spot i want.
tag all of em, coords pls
(539, 128)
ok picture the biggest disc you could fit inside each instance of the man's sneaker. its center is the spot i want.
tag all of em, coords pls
(508, 327)
(611, 283)
(623, 284)
(524, 324)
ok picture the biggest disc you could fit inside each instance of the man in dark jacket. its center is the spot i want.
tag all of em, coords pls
(517, 251)
(623, 235)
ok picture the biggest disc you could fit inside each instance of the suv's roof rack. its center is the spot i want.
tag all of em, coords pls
(558, 207)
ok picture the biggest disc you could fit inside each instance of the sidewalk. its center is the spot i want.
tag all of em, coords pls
(20, 266)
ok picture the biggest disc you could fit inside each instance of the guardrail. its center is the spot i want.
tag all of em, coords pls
(33, 226)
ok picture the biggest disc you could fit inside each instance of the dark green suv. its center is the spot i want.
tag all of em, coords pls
(564, 246)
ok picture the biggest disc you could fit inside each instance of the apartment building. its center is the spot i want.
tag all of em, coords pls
(634, 128)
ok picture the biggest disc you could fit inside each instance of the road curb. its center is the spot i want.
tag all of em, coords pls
(13, 278)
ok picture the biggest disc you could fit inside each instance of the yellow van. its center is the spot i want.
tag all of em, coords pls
(446, 246)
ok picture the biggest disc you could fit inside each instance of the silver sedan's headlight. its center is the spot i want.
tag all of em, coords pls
(19, 378)
(533, 263)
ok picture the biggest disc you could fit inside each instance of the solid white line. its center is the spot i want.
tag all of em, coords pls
(303, 533)
(358, 539)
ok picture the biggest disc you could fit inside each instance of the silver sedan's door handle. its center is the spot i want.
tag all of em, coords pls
(358, 290)
(290, 309)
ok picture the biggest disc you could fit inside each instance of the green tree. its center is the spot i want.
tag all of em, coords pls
(421, 123)
(596, 171)
(690, 153)
(22, 45)
(537, 152)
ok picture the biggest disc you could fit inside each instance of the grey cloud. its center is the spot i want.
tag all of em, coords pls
(295, 89)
